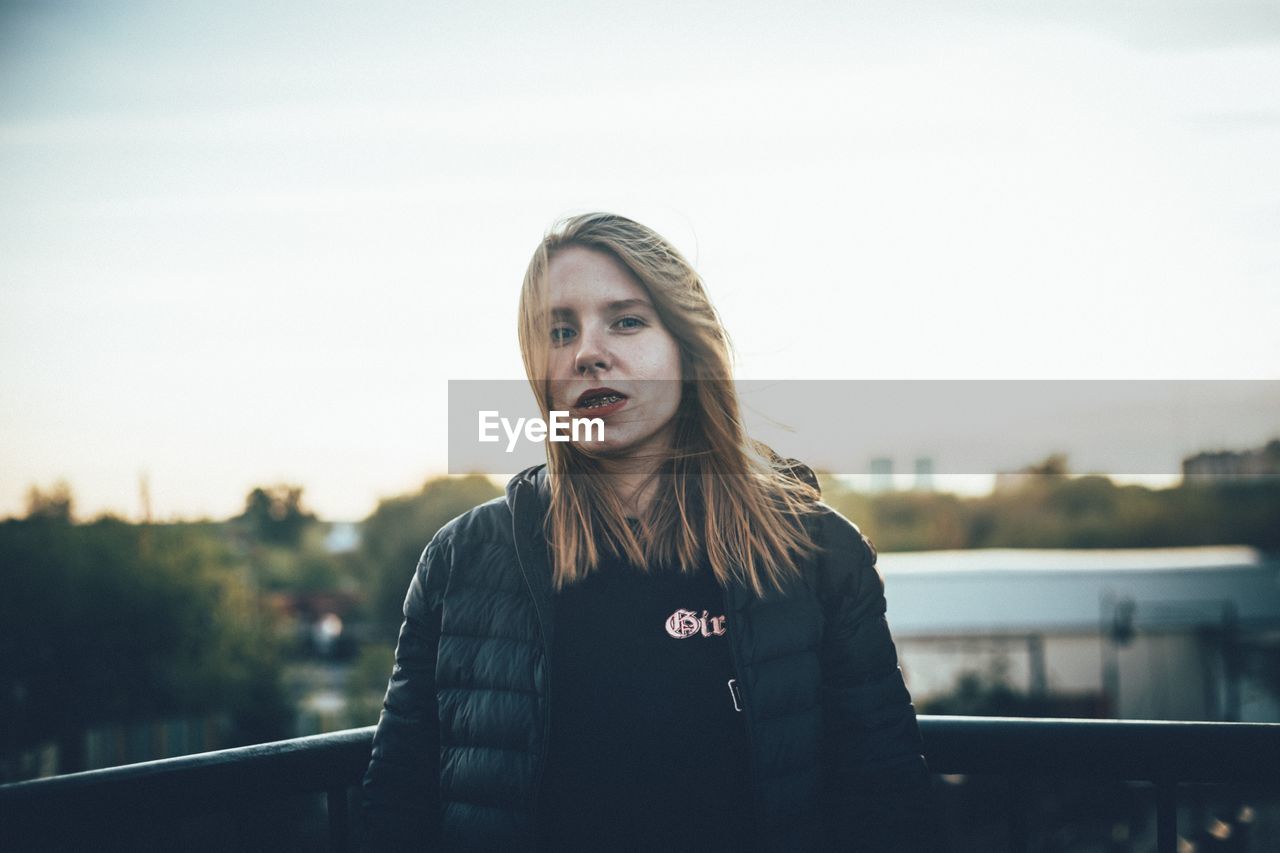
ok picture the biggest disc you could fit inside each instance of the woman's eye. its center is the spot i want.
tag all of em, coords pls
(560, 334)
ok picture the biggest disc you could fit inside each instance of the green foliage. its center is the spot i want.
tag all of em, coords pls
(367, 683)
(920, 519)
(1047, 509)
(113, 622)
(283, 545)
(395, 534)
(975, 695)
(277, 568)
(984, 694)
(55, 504)
(275, 515)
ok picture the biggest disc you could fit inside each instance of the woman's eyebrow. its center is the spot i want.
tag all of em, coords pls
(616, 305)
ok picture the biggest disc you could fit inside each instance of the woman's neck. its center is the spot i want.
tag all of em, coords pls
(630, 475)
(628, 480)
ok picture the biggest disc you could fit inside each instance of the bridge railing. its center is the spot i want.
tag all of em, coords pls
(155, 804)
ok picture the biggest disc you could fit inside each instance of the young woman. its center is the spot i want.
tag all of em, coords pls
(660, 640)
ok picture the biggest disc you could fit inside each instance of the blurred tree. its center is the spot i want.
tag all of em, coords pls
(367, 683)
(985, 694)
(393, 537)
(56, 504)
(276, 515)
(1053, 465)
(94, 629)
(1045, 508)
(1271, 452)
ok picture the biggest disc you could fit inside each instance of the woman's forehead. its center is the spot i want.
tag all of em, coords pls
(582, 280)
(607, 306)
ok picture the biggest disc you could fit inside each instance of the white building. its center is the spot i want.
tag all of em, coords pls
(1165, 633)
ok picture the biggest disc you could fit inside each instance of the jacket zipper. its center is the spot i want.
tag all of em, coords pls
(742, 693)
(546, 658)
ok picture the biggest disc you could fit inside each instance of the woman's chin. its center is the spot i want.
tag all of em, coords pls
(605, 449)
(610, 449)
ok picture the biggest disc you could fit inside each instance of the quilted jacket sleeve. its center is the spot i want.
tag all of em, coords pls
(400, 792)
(878, 791)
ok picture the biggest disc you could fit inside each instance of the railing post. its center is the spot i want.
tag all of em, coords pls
(339, 820)
(1166, 816)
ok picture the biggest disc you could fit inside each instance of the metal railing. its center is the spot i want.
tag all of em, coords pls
(101, 802)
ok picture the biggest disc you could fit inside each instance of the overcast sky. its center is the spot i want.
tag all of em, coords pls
(242, 243)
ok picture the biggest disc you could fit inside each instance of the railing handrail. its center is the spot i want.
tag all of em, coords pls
(1134, 750)
(1162, 752)
(294, 759)
(1119, 749)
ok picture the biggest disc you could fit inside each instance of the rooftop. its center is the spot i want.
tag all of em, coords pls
(1018, 591)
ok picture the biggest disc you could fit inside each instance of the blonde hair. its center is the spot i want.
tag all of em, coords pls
(725, 497)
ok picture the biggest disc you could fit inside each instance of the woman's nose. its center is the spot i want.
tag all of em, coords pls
(591, 355)
(589, 363)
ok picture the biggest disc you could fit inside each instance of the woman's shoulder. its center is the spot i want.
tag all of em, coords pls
(847, 557)
(486, 523)
(842, 533)
(477, 542)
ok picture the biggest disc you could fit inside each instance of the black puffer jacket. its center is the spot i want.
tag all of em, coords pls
(457, 757)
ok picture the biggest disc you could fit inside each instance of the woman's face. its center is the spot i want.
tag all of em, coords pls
(605, 333)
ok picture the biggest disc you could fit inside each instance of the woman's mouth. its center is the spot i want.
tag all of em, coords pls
(598, 403)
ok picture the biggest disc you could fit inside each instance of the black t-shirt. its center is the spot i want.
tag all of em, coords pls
(647, 750)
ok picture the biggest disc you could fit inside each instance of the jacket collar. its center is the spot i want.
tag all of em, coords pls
(533, 480)
(529, 499)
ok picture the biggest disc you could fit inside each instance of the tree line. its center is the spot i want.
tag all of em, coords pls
(107, 620)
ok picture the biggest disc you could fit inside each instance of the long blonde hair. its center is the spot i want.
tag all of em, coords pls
(724, 496)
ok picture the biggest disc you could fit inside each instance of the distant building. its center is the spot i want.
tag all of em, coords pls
(1161, 633)
(1230, 465)
(924, 474)
(342, 537)
(881, 474)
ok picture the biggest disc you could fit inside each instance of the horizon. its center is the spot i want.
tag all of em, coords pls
(964, 486)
